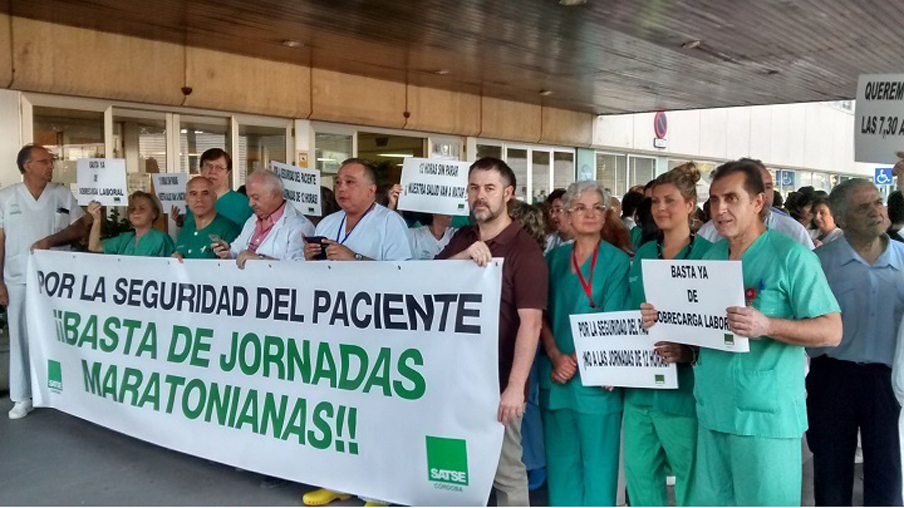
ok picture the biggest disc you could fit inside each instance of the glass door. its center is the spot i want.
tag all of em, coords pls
(140, 138)
(260, 140)
(198, 134)
(71, 134)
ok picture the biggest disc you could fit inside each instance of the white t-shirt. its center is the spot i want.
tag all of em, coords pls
(25, 220)
(285, 241)
(381, 234)
(775, 221)
(424, 245)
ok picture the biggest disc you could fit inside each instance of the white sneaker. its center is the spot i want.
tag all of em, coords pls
(20, 410)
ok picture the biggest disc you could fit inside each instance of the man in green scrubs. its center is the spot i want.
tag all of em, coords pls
(216, 166)
(751, 406)
(195, 237)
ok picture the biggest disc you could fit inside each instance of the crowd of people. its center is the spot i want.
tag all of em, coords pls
(730, 434)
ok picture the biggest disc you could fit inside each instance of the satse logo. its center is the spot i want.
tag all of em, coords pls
(54, 376)
(447, 460)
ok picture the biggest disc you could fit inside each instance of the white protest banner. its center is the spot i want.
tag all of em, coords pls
(879, 118)
(302, 187)
(613, 349)
(102, 180)
(692, 298)
(170, 190)
(434, 186)
(378, 379)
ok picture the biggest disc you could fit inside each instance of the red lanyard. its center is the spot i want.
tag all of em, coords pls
(586, 284)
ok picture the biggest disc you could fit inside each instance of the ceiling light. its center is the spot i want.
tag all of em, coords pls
(572, 3)
(395, 155)
(289, 43)
(441, 72)
(321, 159)
(544, 93)
(694, 44)
(184, 131)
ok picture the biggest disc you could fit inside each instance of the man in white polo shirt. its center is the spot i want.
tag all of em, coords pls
(34, 214)
(775, 220)
(361, 230)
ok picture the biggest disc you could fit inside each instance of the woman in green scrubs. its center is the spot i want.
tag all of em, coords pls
(660, 426)
(145, 240)
(581, 424)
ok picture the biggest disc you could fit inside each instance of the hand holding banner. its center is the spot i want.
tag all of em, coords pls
(692, 298)
(102, 180)
(613, 349)
(434, 186)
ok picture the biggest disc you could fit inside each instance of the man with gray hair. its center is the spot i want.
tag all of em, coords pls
(276, 231)
(849, 386)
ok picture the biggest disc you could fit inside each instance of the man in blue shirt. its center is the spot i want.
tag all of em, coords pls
(849, 386)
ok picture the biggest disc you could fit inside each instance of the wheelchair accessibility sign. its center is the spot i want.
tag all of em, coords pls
(884, 176)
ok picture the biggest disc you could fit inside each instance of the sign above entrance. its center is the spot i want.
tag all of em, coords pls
(879, 118)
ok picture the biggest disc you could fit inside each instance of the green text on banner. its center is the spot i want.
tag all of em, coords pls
(377, 378)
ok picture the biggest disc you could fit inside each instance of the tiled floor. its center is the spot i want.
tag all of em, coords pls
(50, 458)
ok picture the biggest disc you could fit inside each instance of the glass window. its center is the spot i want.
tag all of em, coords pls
(70, 135)
(540, 175)
(785, 181)
(331, 149)
(563, 170)
(611, 172)
(489, 151)
(257, 147)
(805, 179)
(388, 152)
(446, 149)
(198, 134)
(821, 181)
(140, 138)
(642, 170)
(517, 160)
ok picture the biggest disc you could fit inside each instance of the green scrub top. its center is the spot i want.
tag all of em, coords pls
(567, 297)
(636, 236)
(154, 243)
(194, 244)
(761, 393)
(232, 205)
(678, 402)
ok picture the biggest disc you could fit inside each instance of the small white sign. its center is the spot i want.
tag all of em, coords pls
(692, 298)
(102, 180)
(434, 186)
(302, 187)
(170, 190)
(879, 118)
(613, 349)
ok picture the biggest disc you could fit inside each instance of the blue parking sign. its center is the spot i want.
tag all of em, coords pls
(884, 176)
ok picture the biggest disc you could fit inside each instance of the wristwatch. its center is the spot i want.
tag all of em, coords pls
(358, 257)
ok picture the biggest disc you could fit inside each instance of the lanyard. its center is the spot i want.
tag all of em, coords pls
(687, 254)
(342, 224)
(586, 284)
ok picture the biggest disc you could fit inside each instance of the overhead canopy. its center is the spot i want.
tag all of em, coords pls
(605, 56)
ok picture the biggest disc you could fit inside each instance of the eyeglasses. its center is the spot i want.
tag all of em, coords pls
(581, 209)
(214, 167)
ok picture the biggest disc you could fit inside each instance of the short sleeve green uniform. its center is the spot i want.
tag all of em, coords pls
(154, 243)
(660, 426)
(581, 424)
(751, 406)
(232, 205)
(636, 236)
(195, 244)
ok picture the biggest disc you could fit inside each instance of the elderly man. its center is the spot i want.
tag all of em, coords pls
(751, 407)
(491, 185)
(196, 238)
(276, 231)
(216, 166)
(34, 214)
(849, 387)
(774, 219)
(362, 230)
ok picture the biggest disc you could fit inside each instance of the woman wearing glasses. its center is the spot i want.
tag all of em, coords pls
(661, 425)
(581, 424)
